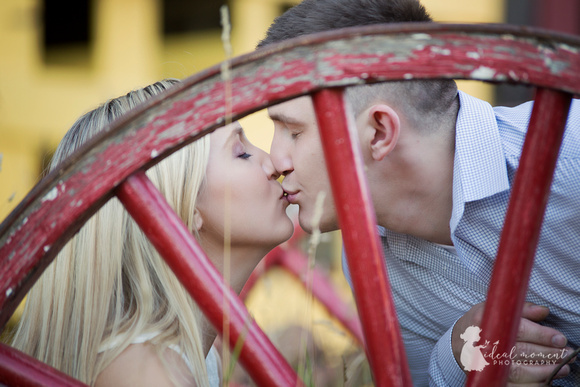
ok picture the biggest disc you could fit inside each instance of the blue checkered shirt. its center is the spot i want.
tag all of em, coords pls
(434, 286)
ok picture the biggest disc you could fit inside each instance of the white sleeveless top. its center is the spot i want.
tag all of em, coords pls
(211, 361)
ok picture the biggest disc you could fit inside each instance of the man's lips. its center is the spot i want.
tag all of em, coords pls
(291, 196)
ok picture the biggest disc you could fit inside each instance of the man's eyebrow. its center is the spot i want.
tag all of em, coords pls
(280, 117)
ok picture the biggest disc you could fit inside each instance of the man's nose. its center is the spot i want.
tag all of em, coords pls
(280, 157)
(268, 167)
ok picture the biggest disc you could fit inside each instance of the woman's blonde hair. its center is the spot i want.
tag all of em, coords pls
(108, 284)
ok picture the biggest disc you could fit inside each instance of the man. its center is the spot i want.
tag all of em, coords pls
(440, 166)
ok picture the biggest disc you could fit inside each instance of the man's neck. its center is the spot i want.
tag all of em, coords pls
(424, 215)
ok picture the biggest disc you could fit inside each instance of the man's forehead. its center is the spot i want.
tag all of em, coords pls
(295, 110)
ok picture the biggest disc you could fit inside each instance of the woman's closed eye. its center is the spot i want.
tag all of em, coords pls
(240, 150)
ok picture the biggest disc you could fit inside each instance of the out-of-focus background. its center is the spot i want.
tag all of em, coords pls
(60, 59)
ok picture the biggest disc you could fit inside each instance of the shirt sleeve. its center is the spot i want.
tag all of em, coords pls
(443, 369)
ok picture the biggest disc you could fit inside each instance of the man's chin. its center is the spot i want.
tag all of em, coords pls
(305, 225)
(324, 226)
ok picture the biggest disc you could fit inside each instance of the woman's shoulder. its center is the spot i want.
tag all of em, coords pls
(140, 365)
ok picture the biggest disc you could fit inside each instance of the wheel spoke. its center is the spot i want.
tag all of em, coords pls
(19, 369)
(357, 220)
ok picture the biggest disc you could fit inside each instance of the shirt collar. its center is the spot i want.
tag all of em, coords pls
(479, 168)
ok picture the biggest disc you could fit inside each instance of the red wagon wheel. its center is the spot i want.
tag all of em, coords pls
(321, 65)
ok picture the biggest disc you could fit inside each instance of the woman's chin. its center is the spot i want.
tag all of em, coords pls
(289, 231)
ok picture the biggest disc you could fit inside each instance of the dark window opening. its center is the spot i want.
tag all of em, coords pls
(66, 31)
(180, 16)
(66, 22)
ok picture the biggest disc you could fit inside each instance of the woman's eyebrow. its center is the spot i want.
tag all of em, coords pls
(236, 133)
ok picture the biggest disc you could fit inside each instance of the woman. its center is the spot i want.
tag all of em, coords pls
(109, 311)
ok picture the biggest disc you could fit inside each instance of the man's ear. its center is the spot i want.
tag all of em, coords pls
(197, 220)
(385, 128)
